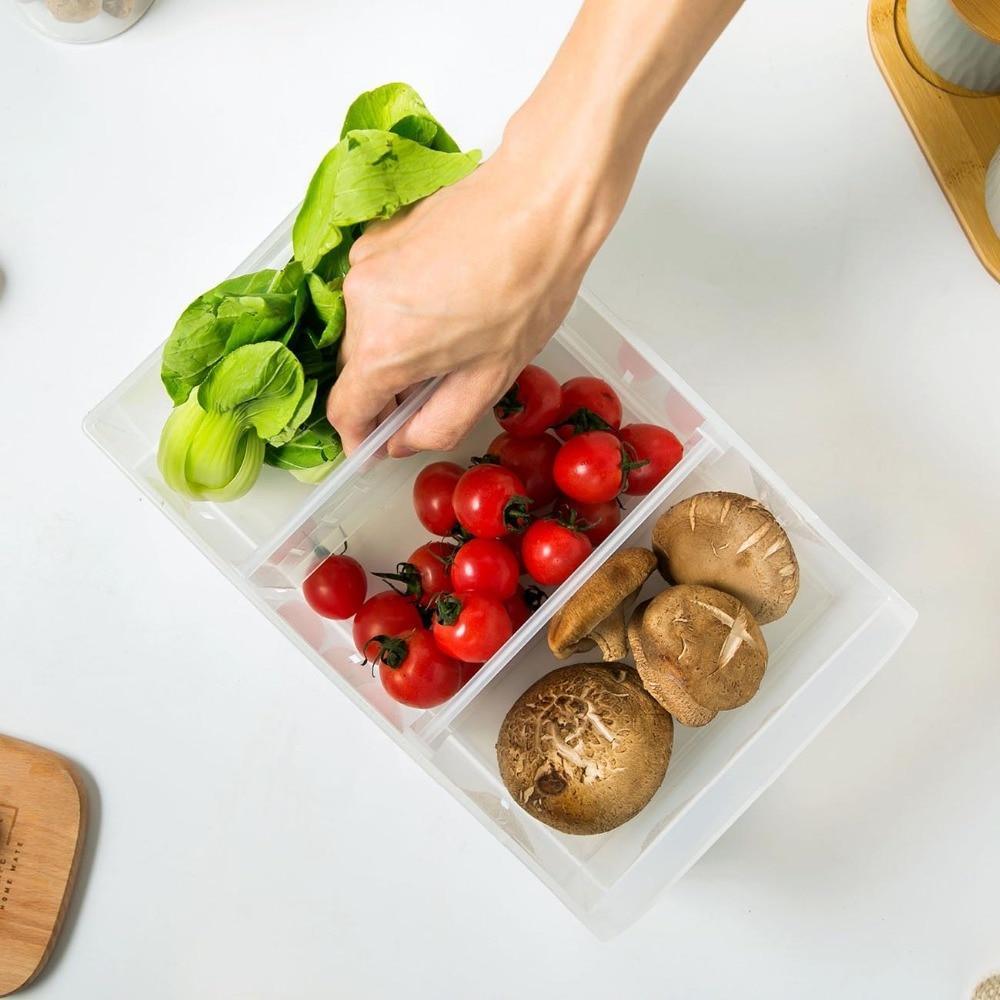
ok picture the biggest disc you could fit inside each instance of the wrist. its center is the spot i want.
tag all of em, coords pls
(576, 181)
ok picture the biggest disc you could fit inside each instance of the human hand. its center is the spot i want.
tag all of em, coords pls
(470, 284)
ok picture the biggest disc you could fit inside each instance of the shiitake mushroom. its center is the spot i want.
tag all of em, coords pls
(661, 683)
(705, 641)
(732, 543)
(595, 614)
(585, 748)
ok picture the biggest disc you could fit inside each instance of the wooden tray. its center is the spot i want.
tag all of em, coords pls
(42, 819)
(958, 129)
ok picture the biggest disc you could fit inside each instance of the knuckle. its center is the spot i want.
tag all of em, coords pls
(439, 438)
(355, 282)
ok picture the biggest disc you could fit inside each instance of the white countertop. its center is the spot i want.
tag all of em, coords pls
(788, 251)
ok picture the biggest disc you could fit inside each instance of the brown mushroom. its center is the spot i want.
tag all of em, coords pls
(662, 684)
(595, 614)
(733, 543)
(74, 10)
(585, 748)
(708, 642)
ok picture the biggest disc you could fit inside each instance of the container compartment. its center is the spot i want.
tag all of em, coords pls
(837, 602)
(371, 516)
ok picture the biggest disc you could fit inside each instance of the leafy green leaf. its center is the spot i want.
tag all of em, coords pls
(370, 174)
(301, 415)
(261, 384)
(328, 301)
(397, 107)
(310, 454)
(314, 232)
(239, 311)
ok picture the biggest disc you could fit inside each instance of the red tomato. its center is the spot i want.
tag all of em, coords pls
(531, 404)
(490, 501)
(658, 447)
(468, 671)
(387, 613)
(588, 404)
(592, 467)
(525, 602)
(552, 550)
(415, 671)
(425, 573)
(470, 626)
(336, 588)
(486, 566)
(596, 520)
(432, 492)
(530, 459)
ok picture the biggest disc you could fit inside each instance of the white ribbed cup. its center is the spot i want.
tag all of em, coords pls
(951, 48)
(82, 20)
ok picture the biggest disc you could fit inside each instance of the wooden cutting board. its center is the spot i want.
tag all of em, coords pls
(42, 818)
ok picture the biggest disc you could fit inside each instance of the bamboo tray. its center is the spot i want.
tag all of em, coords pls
(958, 129)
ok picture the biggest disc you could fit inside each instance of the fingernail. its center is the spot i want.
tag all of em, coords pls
(400, 450)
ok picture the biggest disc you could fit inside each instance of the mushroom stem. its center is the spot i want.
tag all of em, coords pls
(609, 635)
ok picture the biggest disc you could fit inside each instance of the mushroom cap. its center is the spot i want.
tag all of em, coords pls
(585, 748)
(574, 628)
(733, 543)
(662, 684)
(708, 641)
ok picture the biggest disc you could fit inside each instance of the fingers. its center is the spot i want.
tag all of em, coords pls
(355, 404)
(454, 407)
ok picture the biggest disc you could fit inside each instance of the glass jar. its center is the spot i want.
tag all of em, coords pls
(82, 20)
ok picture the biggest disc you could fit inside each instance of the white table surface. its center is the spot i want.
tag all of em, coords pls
(786, 248)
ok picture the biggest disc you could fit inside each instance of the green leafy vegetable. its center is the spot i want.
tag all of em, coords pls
(299, 417)
(397, 107)
(370, 174)
(212, 445)
(249, 363)
(240, 311)
(310, 454)
(328, 300)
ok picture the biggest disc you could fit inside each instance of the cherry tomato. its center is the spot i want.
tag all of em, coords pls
(468, 671)
(432, 493)
(425, 574)
(336, 588)
(530, 459)
(486, 566)
(415, 671)
(470, 626)
(588, 404)
(387, 613)
(552, 549)
(525, 602)
(490, 501)
(531, 404)
(592, 467)
(597, 520)
(661, 450)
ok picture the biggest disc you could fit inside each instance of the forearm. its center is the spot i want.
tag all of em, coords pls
(589, 120)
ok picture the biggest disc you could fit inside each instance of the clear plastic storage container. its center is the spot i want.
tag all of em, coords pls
(82, 20)
(844, 625)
